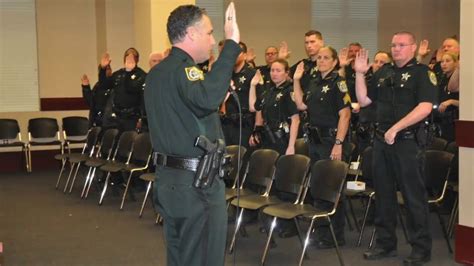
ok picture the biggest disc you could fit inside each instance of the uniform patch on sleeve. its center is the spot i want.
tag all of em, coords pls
(432, 77)
(194, 73)
(342, 86)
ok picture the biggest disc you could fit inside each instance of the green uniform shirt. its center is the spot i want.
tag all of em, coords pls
(182, 102)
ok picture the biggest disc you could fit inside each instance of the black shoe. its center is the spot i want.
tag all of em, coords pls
(417, 259)
(323, 244)
(379, 253)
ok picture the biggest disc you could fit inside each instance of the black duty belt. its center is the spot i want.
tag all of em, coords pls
(402, 135)
(190, 164)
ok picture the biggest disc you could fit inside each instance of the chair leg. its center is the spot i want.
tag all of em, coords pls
(402, 224)
(341, 261)
(145, 198)
(88, 176)
(269, 240)
(74, 177)
(364, 221)
(443, 228)
(25, 151)
(306, 242)
(237, 227)
(372, 238)
(90, 182)
(300, 235)
(126, 190)
(29, 160)
(452, 217)
(69, 177)
(61, 173)
(455, 217)
(104, 189)
(159, 219)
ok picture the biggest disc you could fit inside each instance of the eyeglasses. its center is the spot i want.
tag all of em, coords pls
(274, 53)
(400, 45)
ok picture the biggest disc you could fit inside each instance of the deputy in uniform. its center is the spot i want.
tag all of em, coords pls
(280, 115)
(126, 106)
(328, 105)
(404, 93)
(182, 104)
(241, 77)
(97, 97)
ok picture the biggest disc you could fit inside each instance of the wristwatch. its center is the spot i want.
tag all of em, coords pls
(338, 142)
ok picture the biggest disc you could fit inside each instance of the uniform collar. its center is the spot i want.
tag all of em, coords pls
(410, 63)
(329, 76)
(181, 54)
(282, 86)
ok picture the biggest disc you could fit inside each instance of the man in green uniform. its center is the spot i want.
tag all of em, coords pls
(404, 92)
(182, 103)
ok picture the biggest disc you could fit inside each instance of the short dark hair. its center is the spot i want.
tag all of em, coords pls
(180, 19)
(314, 32)
(334, 55)
(243, 46)
(355, 44)
(283, 62)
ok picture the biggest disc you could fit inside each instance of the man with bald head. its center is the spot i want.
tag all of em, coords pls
(404, 92)
(155, 58)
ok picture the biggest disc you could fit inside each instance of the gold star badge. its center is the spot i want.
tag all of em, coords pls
(242, 79)
(405, 76)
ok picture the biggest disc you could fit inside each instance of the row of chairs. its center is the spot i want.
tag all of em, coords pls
(43, 131)
(129, 154)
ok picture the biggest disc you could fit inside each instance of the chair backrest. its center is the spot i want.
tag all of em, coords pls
(233, 151)
(301, 147)
(261, 167)
(124, 148)
(107, 143)
(75, 128)
(142, 149)
(452, 147)
(327, 179)
(43, 128)
(291, 172)
(91, 140)
(438, 144)
(9, 129)
(436, 170)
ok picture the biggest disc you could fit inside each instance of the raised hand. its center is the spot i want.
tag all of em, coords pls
(299, 71)
(231, 28)
(439, 54)
(344, 57)
(130, 62)
(257, 79)
(361, 63)
(85, 80)
(424, 48)
(250, 55)
(105, 60)
(284, 52)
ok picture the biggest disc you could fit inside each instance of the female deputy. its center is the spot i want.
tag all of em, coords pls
(279, 127)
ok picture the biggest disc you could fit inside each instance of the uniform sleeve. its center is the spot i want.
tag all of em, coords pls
(203, 94)
(371, 84)
(342, 99)
(87, 94)
(427, 85)
(291, 108)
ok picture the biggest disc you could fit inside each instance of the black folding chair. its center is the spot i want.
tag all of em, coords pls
(438, 144)
(10, 136)
(75, 130)
(43, 131)
(234, 151)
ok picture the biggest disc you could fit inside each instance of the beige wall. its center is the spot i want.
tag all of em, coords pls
(268, 22)
(433, 20)
(466, 155)
(66, 45)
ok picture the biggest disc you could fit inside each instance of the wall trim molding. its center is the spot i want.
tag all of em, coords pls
(61, 104)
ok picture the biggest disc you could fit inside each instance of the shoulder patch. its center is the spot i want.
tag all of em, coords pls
(194, 73)
(432, 76)
(342, 86)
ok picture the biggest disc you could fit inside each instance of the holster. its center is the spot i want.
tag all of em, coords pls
(213, 163)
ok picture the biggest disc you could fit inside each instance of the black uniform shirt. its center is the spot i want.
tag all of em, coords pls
(276, 105)
(182, 103)
(444, 94)
(350, 81)
(397, 91)
(325, 98)
(242, 87)
(310, 70)
(367, 114)
(127, 88)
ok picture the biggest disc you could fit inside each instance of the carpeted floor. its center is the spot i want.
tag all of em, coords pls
(42, 226)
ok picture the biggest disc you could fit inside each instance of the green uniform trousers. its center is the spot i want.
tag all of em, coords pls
(195, 220)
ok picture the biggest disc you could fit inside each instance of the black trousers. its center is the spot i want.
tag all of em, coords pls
(195, 220)
(400, 164)
(232, 134)
(320, 152)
